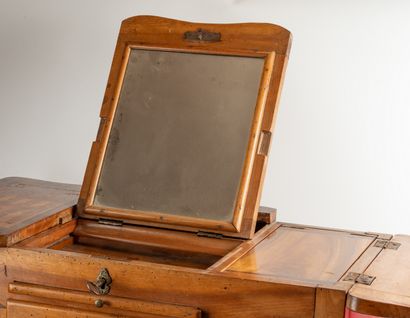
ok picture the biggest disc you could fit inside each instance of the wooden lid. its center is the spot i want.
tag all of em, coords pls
(185, 125)
(30, 206)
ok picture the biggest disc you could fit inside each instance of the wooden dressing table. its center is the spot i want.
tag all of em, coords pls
(167, 221)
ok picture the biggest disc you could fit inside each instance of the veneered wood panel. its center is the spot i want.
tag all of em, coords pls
(389, 294)
(305, 254)
(243, 248)
(30, 206)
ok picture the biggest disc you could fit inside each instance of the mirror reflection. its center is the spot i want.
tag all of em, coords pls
(180, 134)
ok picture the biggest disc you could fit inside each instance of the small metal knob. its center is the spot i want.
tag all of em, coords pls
(99, 303)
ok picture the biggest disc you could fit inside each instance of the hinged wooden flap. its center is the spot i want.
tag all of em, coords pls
(389, 293)
(185, 125)
(30, 206)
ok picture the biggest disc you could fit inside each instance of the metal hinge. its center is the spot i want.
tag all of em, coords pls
(297, 227)
(110, 222)
(209, 234)
(359, 278)
(387, 244)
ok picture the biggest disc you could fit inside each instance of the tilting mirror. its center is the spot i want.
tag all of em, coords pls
(180, 134)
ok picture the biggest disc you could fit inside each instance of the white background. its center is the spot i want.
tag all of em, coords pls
(341, 150)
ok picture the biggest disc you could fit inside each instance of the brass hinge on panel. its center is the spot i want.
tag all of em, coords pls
(294, 226)
(359, 278)
(110, 222)
(387, 244)
(209, 234)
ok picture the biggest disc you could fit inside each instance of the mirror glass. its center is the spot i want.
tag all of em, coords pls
(180, 134)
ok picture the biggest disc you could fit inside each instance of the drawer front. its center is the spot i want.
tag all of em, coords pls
(46, 301)
(21, 309)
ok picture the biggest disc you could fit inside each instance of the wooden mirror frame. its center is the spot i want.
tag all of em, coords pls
(267, 41)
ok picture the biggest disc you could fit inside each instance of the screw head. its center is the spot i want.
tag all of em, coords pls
(99, 303)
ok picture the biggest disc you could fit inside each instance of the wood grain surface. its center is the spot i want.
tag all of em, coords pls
(29, 206)
(307, 254)
(20, 309)
(157, 238)
(49, 237)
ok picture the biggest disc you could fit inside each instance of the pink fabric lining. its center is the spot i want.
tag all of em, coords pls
(352, 314)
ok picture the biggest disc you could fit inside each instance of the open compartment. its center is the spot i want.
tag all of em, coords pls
(146, 244)
(129, 242)
(139, 243)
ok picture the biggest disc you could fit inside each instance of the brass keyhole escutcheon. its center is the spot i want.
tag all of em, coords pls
(99, 303)
(102, 284)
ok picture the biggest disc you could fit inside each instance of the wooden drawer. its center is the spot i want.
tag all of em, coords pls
(29, 300)
(20, 309)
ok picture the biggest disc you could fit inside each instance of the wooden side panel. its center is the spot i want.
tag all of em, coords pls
(330, 303)
(389, 294)
(29, 206)
(216, 294)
